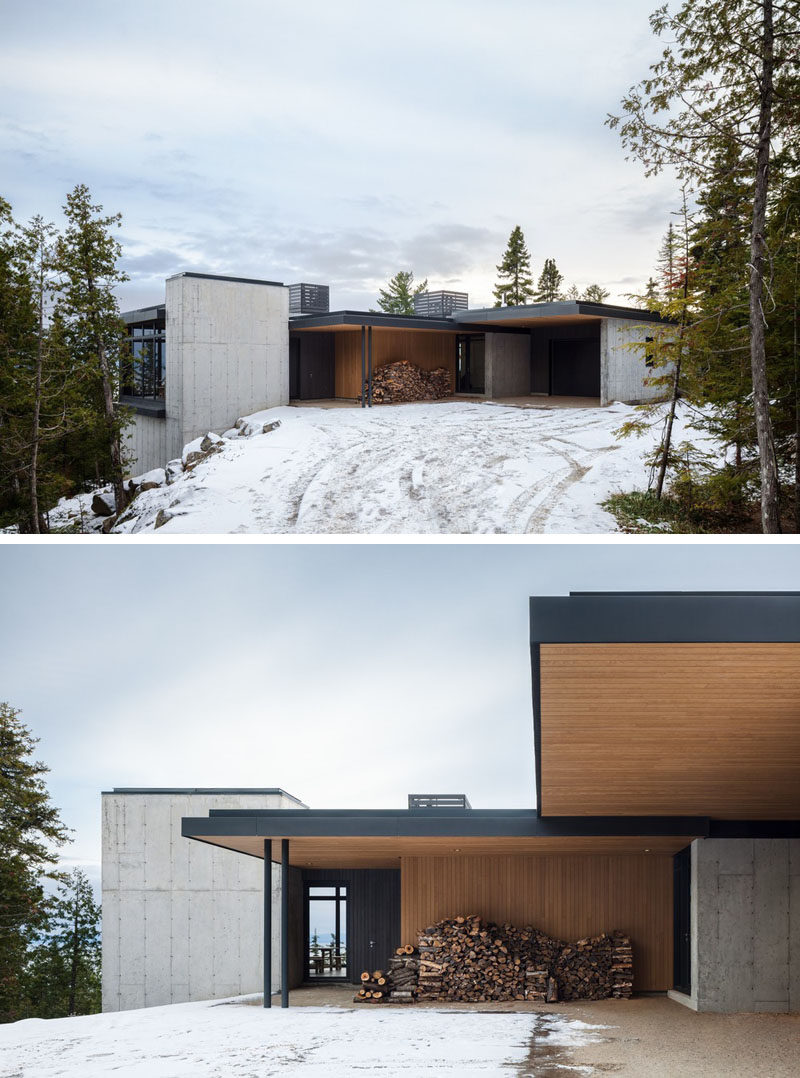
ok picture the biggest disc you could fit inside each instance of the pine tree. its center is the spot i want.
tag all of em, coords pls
(515, 285)
(595, 293)
(725, 81)
(398, 296)
(30, 829)
(63, 971)
(573, 293)
(87, 257)
(548, 287)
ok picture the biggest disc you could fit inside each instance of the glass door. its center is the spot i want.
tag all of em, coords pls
(326, 931)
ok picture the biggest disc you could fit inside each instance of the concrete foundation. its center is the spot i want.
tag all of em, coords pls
(508, 365)
(181, 920)
(745, 925)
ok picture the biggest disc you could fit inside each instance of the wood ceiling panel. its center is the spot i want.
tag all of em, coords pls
(671, 729)
(368, 852)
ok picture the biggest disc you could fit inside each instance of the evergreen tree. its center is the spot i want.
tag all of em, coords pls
(595, 293)
(398, 296)
(30, 829)
(515, 285)
(17, 361)
(725, 82)
(63, 971)
(548, 287)
(87, 257)
(573, 293)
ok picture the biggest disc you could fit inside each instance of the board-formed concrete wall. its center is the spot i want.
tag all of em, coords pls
(227, 351)
(745, 925)
(147, 444)
(623, 371)
(508, 365)
(181, 920)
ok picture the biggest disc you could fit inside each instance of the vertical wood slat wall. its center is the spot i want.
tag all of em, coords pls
(565, 896)
(425, 349)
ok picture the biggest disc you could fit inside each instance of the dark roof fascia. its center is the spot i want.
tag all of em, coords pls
(223, 277)
(287, 823)
(666, 618)
(145, 314)
(560, 310)
(370, 318)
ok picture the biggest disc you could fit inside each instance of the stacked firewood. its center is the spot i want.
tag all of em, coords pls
(404, 974)
(398, 984)
(622, 967)
(402, 381)
(374, 988)
(465, 958)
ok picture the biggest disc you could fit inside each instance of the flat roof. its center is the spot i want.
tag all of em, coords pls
(370, 318)
(211, 790)
(145, 314)
(558, 309)
(224, 277)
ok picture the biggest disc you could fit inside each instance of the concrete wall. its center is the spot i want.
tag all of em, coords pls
(227, 352)
(508, 365)
(745, 925)
(147, 445)
(181, 921)
(623, 371)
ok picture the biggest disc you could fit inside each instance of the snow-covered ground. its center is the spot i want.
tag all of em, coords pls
(453, 467)
(194, 1040)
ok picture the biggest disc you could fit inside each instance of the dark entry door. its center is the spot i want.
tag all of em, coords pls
(682, 932)
(311, 366)
(575, 368)
(326, 931)
(470, 364)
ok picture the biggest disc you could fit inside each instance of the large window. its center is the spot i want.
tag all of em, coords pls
(326, 931)
(144, 369)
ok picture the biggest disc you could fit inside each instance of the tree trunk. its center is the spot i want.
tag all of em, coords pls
(114, 445)
(666, 442)
(796, 395)
(73, 973)
(33, 482)
(768, 466)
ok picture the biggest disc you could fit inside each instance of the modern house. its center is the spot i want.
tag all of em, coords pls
(666, 765)
(222, 347)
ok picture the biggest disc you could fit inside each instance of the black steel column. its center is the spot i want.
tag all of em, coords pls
(284, 922)
(369, 367)
(363, 367)
(267, 922)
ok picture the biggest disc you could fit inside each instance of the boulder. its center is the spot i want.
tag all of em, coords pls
(173, 470)
(156, 477)
(270, 426)
(162, 516)
(103, 504)
(211, 441)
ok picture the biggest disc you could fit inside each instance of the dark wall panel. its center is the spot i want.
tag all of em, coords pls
(373, 897)
(311, 366)
(540, 348)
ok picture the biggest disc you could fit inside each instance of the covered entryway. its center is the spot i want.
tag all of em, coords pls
(575, 367)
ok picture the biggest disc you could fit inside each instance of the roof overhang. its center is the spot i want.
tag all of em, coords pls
(377, 839)
(534, 314)
(667, 703)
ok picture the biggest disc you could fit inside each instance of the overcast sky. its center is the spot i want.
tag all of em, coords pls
(348, 675)
(336, 142)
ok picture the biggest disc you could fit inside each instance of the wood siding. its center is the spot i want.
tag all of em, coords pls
(660, 729)
(567, 897)
(373, 900)
(427, 349)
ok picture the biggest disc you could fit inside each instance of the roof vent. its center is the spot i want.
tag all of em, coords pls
(309, 299)
(438, 801)
(440, 304)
